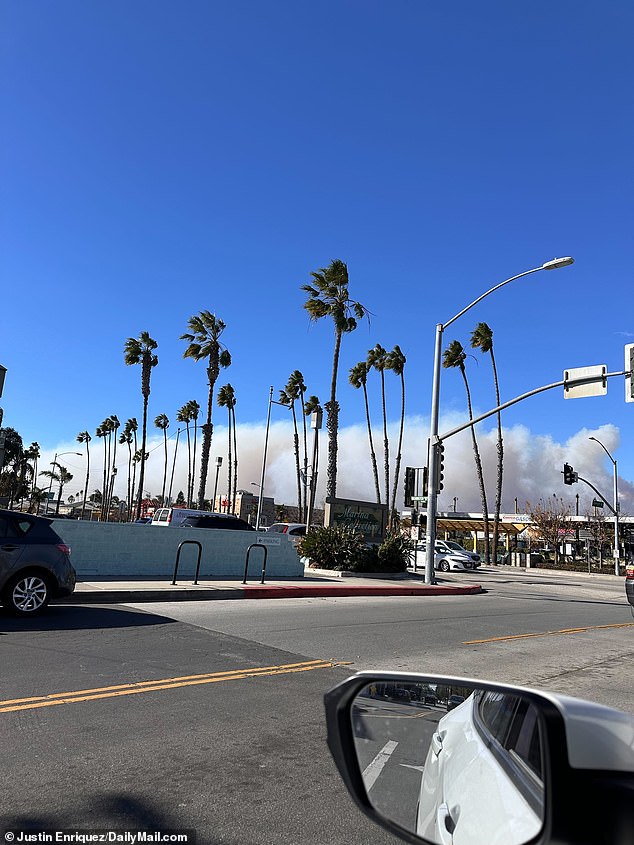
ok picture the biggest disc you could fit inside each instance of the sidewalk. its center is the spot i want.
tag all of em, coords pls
(110, 591)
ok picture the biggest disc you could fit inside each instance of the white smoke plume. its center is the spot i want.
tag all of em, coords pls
(532, 465)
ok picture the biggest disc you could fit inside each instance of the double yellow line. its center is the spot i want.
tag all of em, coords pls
(550, 633)
(17, 704)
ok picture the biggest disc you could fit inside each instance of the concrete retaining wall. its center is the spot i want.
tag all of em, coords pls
(119, 551)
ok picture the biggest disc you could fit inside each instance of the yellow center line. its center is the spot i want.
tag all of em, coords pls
(11, 706)
(550, 633)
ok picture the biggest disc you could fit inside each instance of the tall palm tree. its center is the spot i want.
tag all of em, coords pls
(34, 457)
(377, 359)
(141, 351)
(133, 425)
(328, 297)
(162, 423)
(205, 330)
(312, 404)
(226, 399)
(358, 377)
(396, 363)
(296, 383)
(184, 415)
(102, 431)
(169, 492)
(287, 397)
(84, 437)
(126, 437)
(482, 338)
(454, 357)
(195, 413)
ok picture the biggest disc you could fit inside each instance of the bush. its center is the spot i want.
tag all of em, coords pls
(341, 549)
(333, 547)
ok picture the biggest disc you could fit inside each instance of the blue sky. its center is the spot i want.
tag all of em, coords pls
(164, 158)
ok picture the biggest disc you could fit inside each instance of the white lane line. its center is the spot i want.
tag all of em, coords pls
(374, 769)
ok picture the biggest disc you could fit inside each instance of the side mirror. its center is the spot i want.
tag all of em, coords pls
(455, 761)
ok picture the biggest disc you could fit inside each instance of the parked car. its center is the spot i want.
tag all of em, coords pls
(447, 559)
(629, 585)
(454, 700)
(293, 529)
(226, 521)
(34, 563)
(451, 546)
(173, 517)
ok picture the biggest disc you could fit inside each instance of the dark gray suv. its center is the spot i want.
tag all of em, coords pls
(34, 563)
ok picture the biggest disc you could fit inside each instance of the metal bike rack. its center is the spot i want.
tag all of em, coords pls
(246, 563)
(178, 555)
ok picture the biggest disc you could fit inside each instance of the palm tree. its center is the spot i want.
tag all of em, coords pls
(203, 337)
(296, 383)
(328, 297)
(195, 413)
(226, 399)
(34, 457)
(162, 423)
(455, 356)
(358, 377)
(184, 415)
(169, 492)
(287, 397)
(396, 363)
(312, 404)
(62, 477)
(141, 351)
(377, 359)
(38, 496)
(482, 338)
(126, 437)
(84, 437)
(102, 431)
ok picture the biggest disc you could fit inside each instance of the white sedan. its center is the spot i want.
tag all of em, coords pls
(483, 777)
(446, 560)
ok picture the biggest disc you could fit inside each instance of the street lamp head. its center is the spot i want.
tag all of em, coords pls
(558, 262)
(219, 461)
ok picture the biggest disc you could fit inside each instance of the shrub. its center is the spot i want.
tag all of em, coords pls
(332, 547)
(342, 549)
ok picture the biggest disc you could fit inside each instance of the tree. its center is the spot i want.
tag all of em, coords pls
(11, 470)
(126, 437)
(287, 397)
(62, 477)
(551, 520)
(311, 406)
(396, 363)
(328, 297)
(205, 330)
(162, 423)
(296, 384)
(377, 359)
(84, 437)
(180, 499)
(141, 351)
(227, 399)
(358, 377)
(482, 338)
(454, 357)
(194, 408)
(184, 415)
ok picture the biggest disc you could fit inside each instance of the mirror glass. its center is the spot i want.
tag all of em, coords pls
(452, 764)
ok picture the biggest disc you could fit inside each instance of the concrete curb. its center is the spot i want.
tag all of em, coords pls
(260, 591)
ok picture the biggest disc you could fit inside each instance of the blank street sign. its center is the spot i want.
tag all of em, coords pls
(592, 382)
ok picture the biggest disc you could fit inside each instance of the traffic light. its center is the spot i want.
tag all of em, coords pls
(410, 486)
(440, 464)
(570, 476)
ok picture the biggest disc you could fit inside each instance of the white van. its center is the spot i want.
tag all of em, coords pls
(173, 517)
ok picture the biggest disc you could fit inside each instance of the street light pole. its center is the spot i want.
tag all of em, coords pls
(218, 465)
(615, 493)
(435, 401)
(54, 464)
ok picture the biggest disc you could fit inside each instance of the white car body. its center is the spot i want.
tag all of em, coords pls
(451, 811)
(446, 560)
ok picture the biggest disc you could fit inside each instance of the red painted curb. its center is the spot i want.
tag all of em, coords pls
(261, 591)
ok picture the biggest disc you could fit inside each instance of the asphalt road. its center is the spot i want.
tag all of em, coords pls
(209, 716)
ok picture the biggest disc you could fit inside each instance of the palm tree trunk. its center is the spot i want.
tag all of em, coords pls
(297, 466)
(332, 410)
(129, 478)
(235, 459)
(207, 434)
(189, 466)
(478, 463)
(397, 467)
(386, 447)
(169, 494)
(375, 468)
(304, 515)
(142, 470)
(164, 467)
(194, 460)
(83, 504)
(500, 468)
(229, 464)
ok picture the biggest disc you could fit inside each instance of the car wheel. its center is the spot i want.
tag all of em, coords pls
(26, 594)
(444, 566)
